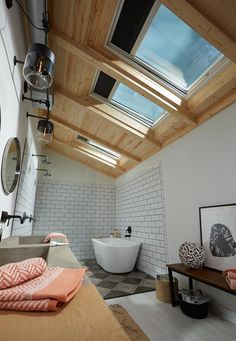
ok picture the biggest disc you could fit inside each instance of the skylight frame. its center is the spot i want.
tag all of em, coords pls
(105, 150)
(122, 108)
(108, 152)
(147, 69)
(112, 163)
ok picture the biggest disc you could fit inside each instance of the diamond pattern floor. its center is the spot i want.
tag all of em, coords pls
(117, 285)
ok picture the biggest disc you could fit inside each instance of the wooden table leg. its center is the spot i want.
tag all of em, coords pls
(172, 293)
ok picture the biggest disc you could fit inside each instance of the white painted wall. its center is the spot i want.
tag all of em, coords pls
(13, 118)
(199, 169)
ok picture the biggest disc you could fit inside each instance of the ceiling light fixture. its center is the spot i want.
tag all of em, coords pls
(38, 69)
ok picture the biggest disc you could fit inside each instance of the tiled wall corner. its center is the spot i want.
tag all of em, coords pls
(83, 211)
(140, 204)
(80, 211)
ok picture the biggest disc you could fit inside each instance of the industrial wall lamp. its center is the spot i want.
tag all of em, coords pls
(38, 69)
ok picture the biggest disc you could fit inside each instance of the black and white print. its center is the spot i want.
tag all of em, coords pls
(218, 235)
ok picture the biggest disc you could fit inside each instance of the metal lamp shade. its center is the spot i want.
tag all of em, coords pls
(45, 129)
(38, 70)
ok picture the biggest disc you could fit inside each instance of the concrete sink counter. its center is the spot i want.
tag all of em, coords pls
(18, 248)
(85, 317)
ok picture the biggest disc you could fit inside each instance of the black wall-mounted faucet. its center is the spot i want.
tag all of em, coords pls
(128, 231)
(5, 217)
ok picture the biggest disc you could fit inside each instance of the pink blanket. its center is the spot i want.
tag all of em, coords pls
(46, 292)
(231, 283)
(230, 277)
(230, 273)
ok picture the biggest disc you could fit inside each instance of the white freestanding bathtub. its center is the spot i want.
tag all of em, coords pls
(116, 255)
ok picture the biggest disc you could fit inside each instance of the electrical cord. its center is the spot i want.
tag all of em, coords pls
(38, 28)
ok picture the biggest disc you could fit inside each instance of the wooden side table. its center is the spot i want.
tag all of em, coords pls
(205, 275)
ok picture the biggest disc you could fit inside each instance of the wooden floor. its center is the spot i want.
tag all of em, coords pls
(162, 322)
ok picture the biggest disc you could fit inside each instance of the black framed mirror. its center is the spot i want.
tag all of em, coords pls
(11, 163)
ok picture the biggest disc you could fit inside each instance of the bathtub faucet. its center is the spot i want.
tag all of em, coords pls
(128, 231)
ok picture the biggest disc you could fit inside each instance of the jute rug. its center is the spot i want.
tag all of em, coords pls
(130, 327)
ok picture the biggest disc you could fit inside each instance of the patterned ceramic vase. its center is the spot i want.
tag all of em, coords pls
(192, 255)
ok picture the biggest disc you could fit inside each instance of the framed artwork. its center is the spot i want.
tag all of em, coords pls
(218, 235)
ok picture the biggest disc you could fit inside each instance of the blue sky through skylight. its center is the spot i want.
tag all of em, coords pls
(173, 48)
(139, 104)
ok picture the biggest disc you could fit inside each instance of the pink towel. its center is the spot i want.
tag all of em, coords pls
(56, 235)
(230, 273)
(46, 292)
(15, 273)
(231, 282)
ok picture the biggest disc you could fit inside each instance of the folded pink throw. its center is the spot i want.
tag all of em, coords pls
(15, 273)
(46, 292)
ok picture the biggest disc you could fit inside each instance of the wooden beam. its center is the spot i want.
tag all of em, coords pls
(223, 82)
(214, 109)
(121, 72)
(177, 135)
(221, 104)
(204, 26)
(112, 115)
(86, 134)
(92, 155)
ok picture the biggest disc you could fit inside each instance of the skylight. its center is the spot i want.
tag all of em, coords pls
(99, 147)
(105, 150)
(127, 100)
(164, 44)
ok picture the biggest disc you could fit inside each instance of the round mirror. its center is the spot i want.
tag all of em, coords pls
(11, 165)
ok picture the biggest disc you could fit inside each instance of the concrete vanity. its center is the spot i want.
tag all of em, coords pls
(85, 317)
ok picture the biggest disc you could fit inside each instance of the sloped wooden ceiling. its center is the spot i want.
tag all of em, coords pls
(78, 35)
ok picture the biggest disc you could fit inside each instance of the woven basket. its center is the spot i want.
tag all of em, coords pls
(163, 288)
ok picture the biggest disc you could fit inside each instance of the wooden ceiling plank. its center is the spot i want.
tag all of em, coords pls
(138, 83)
(114, 116)
(221, 12)
(204, 26)
(77, 130)
(100, 21)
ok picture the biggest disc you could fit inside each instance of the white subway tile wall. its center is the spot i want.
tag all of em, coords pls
(140, 204)
(26, 194)
(85, 211)
(78, 210)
